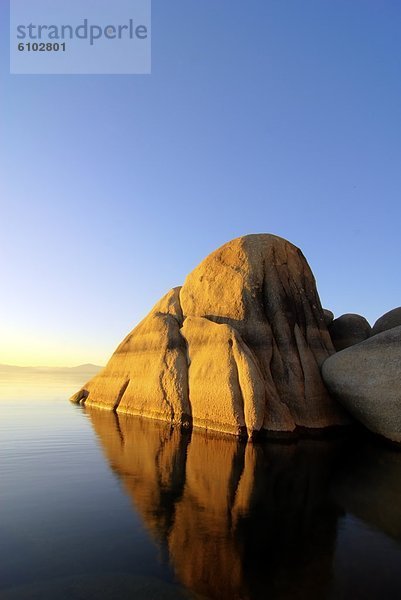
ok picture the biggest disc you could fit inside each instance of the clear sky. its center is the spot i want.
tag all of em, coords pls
(279, 116)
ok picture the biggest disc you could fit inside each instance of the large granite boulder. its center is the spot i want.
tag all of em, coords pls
(366, 379)
(348, 330)
(237, 349)
(387, 321)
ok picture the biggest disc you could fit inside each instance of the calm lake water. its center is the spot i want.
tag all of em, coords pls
(93, 506)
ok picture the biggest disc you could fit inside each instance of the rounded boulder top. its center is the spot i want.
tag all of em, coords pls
(390, 319)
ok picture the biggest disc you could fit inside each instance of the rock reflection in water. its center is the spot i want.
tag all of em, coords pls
(237, 520)
(369, 487)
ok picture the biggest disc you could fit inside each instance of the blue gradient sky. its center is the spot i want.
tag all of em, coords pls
(273, 116)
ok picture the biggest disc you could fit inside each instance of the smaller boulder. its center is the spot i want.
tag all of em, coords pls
(348, 330)
(388, 321)
(366, 379)
(328, 316)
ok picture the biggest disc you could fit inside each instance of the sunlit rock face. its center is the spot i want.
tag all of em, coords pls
(237, 349)
(236, 520)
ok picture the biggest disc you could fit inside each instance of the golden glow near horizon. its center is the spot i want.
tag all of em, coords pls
(27, 349)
